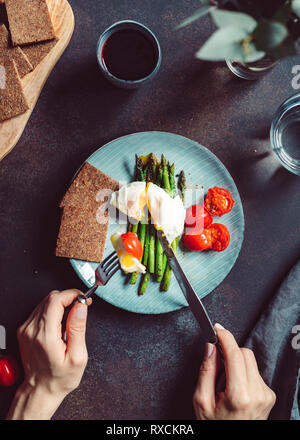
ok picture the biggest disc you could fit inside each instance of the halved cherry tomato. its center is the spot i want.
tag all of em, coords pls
(218, 201)
(220, 237)
(197, 240)
(132, 244)
(9, 371)
(197, 217)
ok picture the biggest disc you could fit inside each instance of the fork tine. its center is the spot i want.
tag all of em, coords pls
(107, 258)
(115, 264)
(113, 272)
(109, 263)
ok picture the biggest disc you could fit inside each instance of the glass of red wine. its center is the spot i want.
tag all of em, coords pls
(128, 54)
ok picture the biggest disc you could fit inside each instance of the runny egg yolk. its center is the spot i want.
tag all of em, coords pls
(127, 259)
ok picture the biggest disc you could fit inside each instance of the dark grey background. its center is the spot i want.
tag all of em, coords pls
(144, 367)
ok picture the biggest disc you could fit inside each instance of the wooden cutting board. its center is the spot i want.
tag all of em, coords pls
(63, 22)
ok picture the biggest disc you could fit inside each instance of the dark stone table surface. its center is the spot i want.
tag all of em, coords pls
(144, 367)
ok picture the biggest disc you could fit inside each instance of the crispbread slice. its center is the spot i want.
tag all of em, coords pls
(80, 235)
(6, 51)
(90, 187)
(29, 21)
(12, 99)
(37, 52)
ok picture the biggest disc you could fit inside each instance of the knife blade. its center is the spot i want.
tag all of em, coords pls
(196, 305)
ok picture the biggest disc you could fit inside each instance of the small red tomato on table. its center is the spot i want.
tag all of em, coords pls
(218, 201)
(9, 371)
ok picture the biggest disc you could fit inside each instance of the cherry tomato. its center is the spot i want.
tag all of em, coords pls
(197, 240)
(220, 237)
(197, 217)
(132, 244)
(218, 201)
(9, 371)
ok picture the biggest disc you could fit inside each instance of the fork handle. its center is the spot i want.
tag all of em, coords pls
(82, 298)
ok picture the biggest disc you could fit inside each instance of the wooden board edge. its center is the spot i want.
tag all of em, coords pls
(23, 120)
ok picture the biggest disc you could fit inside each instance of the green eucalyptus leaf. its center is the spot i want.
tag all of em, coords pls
(269, 34)
(229, 18)
(225, 43)
(296, 7)
(205, 9)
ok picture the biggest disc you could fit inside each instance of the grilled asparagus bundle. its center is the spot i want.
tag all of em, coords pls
(161, 173)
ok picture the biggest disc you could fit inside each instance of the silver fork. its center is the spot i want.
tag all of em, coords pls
(104, 272)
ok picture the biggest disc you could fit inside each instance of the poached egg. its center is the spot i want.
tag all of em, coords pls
(167, 213)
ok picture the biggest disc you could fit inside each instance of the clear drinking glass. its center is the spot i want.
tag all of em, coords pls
(251, 71)
(285, 134)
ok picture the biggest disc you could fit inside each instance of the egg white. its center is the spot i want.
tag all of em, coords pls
(167, 214)
(131, 199)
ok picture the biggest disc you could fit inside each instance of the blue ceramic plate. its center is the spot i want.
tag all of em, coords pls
(205, 270)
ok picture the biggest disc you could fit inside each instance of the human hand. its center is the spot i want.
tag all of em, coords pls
(53, 368)
(246, 396)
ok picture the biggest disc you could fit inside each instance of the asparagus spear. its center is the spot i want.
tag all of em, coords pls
(166, 185)
(140, 174)
(168, 272)
(134, 227)
(144, 283)
(166, 180)
(149, 247)
(146, 247)
(172, 180)
(151, 258)
(141, 236)
(181, 186)
(159, 249)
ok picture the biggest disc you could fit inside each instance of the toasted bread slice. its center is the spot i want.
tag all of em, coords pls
(29, 21)
(80, 235)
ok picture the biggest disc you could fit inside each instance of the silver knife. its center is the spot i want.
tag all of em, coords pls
(197, 308)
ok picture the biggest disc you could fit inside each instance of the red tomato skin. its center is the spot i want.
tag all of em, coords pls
(218, 201)
(220, 237)
(9, 371)
(198, 240)
(197, 217)
(132, 244)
